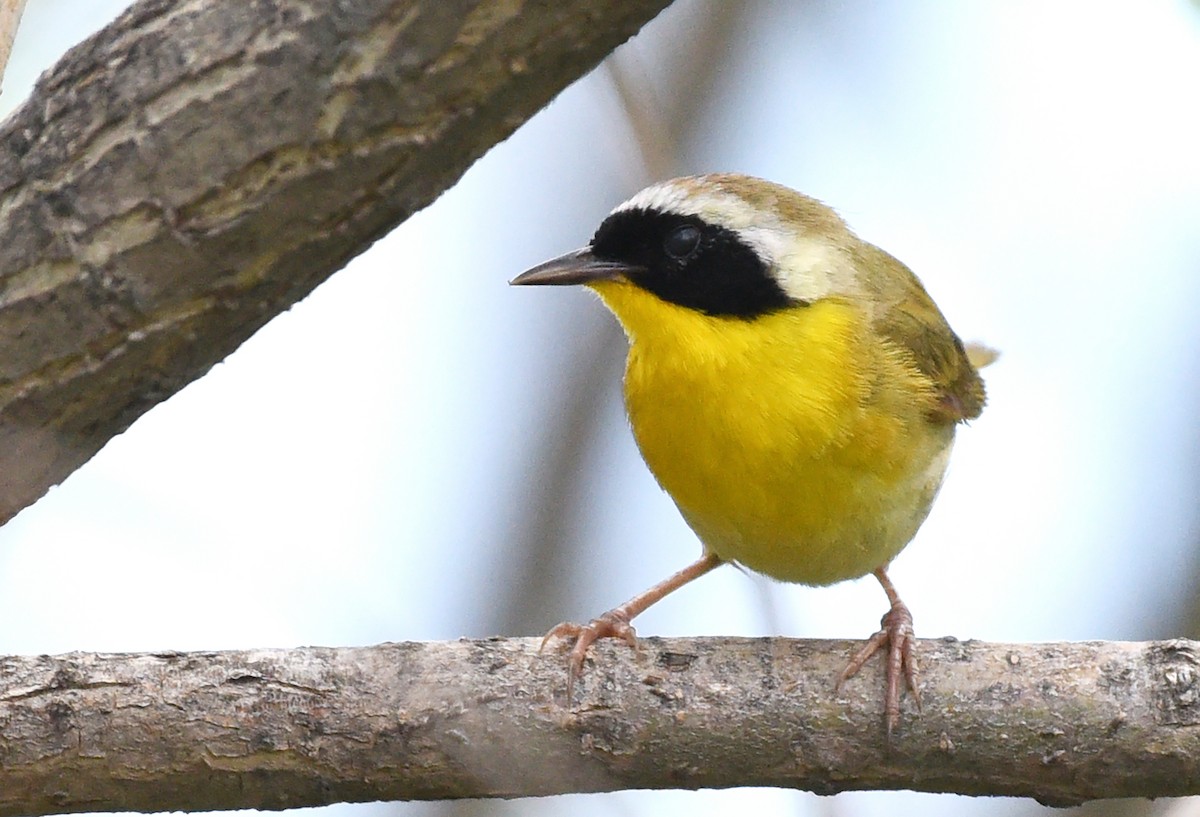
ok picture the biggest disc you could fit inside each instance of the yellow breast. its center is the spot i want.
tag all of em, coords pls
(794, 443)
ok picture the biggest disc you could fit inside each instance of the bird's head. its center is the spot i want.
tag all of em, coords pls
(725, 245)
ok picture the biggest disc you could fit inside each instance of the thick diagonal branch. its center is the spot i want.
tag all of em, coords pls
(277, 729)
(199, 165)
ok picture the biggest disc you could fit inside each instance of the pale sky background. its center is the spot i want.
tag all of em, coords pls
(361, 469)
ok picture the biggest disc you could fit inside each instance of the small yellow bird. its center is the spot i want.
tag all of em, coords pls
(793, 388)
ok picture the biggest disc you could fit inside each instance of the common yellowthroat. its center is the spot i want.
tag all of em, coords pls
(793, 388)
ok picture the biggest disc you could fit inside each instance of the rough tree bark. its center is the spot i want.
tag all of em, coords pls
(200, 165)
(278, 729)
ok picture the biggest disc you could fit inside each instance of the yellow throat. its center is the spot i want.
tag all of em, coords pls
(796, 443)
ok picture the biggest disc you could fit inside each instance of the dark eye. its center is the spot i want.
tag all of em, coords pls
(682, 241)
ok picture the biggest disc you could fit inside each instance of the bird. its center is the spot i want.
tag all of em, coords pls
(793, 388)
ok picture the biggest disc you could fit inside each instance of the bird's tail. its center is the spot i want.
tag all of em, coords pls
(981, 355)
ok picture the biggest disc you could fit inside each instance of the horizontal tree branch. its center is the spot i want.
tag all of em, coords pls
(273, 729)
(200, 165)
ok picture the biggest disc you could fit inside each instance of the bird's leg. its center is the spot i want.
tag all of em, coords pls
(896, 631)
(615, 623)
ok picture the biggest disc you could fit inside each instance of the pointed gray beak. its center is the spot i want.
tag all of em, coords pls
(579, 267)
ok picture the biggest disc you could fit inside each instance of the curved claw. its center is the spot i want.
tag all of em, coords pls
(896, 631)
(613, 624)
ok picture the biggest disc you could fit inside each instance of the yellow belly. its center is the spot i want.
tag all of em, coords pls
(792, 444)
